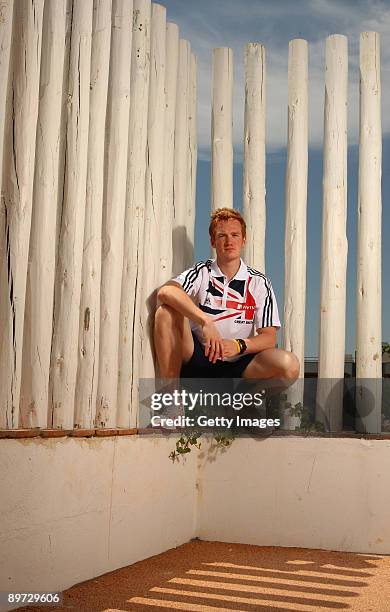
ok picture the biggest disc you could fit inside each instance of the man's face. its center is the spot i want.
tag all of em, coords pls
(228, 240)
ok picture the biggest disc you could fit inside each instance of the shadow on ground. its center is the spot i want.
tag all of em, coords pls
(213, 576)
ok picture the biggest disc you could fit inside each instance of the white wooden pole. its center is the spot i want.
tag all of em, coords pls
(34, 398)
(154, 185)
(17, 196)
(179, 237)
(295, 228)
(5, 49)
(64, 355)
(89, 322)
(131, 299)
(118, 106)
(334, 241)
(165, 238)
(6, 19)
(222, 129)
(6, 13)
(254, 155)
(368, 316)
(192, 162)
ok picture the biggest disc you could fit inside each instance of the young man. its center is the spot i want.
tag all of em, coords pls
(219, 318)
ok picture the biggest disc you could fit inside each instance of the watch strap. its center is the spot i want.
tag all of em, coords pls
(242, 344)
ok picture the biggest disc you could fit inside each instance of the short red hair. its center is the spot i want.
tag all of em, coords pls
(225, 214)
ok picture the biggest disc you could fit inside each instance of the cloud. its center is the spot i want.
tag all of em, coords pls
(210, 24)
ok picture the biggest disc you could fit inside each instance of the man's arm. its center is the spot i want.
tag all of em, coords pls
(173, 295)
(265, 339)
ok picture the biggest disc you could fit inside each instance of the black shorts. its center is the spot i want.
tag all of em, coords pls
(200, 367)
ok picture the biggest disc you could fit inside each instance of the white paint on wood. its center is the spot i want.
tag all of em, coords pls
(253, 195)
(295, 227)
(142, 176)
(192, 162)
(118, 106)
(64, 355)
(6, 18)
(17, 194)
(369, 293)
(131, 299)
(334, 240)
(222, 129)
(180, 178)
(89, 322)
(37, 339)
(154, 186)
(171, 69)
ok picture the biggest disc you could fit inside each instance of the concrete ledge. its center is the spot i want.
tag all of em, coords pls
(327, 493)
(62, 433)
(74, 508)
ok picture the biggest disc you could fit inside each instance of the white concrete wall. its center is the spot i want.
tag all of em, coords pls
(73, 509)
(332, 494)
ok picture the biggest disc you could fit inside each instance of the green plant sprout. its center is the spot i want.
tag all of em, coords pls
(184, 444)
(223, 441)
(191, 439)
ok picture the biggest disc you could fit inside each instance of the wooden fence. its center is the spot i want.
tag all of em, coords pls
(91, 148)
(98, 154)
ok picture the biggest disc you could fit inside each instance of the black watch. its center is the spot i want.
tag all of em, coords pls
(242, 344)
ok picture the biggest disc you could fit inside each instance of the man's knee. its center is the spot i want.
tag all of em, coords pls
(289, 365)
(165, 315)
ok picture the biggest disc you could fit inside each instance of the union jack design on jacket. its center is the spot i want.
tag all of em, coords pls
(239, 307)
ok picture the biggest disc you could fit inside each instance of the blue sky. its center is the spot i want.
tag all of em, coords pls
(233, 23)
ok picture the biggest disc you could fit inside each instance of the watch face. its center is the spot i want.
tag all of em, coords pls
(242, 345)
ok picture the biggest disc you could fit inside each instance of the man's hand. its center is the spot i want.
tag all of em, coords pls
(213, 341)
(230, 348)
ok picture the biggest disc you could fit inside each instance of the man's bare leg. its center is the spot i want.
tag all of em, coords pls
(275, 364)
(173, 341)
(174, 345)
(278, 367)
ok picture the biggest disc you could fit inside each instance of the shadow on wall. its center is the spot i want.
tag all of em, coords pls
(182, 250)
(182, 258)
(151, 305)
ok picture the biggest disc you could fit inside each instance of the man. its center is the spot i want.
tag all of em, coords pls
(220, 318)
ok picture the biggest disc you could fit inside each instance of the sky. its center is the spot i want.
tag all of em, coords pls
(234, 23)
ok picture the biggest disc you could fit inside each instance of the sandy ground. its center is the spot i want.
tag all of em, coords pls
(213, 576)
